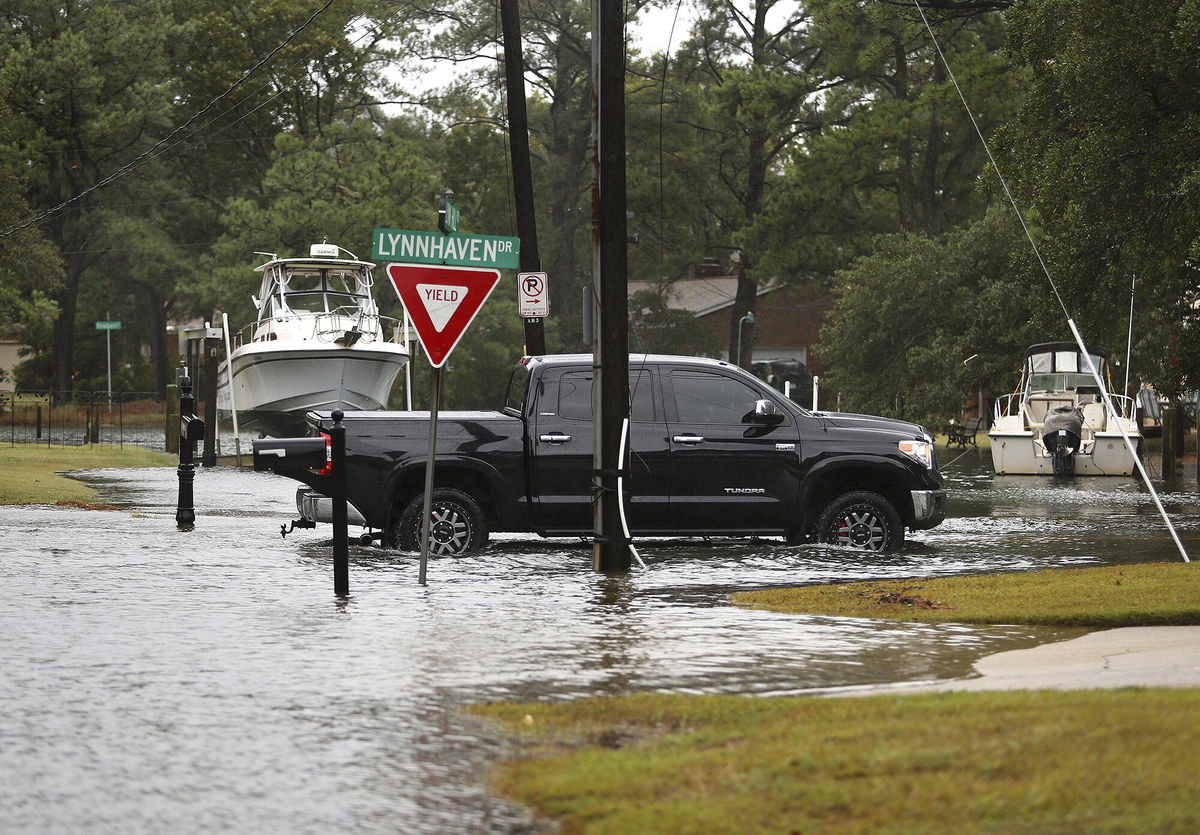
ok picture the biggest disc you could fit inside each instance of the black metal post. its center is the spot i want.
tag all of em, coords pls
(341, 558)
(211, 346)
(185, 513)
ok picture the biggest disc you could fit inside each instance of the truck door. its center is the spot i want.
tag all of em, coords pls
(562, 449)
(729, 469)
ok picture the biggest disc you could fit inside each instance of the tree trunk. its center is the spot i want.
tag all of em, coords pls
(64, 329)
(1170, 417)
(745, 301)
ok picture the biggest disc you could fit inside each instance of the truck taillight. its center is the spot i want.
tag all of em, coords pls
(328, 468)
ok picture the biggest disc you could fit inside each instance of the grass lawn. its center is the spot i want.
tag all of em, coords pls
(30, 474)
(1108, 596)
(1082, 761)
(1040, 761)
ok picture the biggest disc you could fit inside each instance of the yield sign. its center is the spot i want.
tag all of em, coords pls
(441, 301)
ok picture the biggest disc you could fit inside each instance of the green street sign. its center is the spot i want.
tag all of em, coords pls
(410, 247)
(108, 326)
(449, 213)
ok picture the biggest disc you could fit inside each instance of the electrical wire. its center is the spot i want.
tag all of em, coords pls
(1108, 403)
(165, 144)
(150, 153)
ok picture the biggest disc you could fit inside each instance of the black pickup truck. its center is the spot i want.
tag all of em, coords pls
(714, 451)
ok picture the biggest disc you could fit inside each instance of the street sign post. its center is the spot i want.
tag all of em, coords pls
(411, 247)
(533, 297)
(108, 327)
(442, 302)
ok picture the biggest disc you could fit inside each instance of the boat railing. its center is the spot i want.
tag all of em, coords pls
(1008, 405)
(328, 326)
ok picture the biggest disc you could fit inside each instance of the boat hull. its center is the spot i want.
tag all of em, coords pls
(1017, 453)
(276, 383)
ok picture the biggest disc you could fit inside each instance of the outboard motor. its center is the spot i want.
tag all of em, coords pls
(1061, 433)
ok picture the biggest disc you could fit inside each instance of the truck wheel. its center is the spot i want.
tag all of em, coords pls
(862, 520)
(457, 524)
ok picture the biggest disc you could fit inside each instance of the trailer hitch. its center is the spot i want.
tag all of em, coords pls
(284, 530)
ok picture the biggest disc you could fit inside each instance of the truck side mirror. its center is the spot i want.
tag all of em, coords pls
(765, 412)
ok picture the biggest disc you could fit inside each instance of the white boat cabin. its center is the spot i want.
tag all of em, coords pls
(321, 298)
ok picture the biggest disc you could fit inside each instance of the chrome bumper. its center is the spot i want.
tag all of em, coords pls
(929, 508)
(316, 507)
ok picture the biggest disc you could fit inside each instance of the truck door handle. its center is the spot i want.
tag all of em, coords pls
(554, 438)
(690, 440)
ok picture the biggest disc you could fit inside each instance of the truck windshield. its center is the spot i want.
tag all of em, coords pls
(518, 388)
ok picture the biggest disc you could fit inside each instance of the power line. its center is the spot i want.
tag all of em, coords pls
(150, 152)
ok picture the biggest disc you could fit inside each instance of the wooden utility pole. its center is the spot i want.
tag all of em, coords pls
(518, 142)
(610, 379)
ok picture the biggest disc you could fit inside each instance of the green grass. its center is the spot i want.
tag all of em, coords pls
(1081, 761)
(1037, 761)
(947, 453)
(1107, 596)
(30, 474)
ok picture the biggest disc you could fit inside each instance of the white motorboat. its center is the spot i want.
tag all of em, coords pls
(1056, 422)
(318, 343)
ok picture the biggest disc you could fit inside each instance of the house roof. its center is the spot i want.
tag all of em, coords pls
(699, 296)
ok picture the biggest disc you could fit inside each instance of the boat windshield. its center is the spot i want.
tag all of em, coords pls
(323, 291)
(1061, 370)
(1060, 382)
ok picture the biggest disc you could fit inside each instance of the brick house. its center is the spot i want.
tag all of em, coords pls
(787, 322)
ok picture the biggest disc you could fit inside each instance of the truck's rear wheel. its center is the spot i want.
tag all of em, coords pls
(862, 520)
(457, 528)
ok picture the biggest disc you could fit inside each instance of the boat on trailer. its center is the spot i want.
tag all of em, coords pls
(318, 343)
(1056, 421)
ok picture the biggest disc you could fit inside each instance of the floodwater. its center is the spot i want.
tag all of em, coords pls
(156, 681)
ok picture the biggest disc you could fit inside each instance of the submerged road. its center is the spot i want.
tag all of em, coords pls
(187, 682)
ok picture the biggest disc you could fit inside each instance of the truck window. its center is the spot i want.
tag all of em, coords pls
(701, 397)
(575, 396)
(518, 388)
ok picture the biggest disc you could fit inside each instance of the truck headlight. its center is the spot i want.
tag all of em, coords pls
(919, 451)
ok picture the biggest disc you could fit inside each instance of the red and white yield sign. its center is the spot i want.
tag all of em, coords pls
(441, 301)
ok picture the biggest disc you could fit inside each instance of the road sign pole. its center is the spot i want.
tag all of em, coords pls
(441, 301)
(427, 507)
(108, 341)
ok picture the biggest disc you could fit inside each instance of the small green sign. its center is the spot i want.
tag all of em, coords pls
(108, 326)
(449, 213)
(435, 248)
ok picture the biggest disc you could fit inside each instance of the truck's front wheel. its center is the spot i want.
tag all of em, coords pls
(862, 520)
(457, 527)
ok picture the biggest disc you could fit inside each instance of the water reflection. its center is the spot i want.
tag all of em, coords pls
(191, 682)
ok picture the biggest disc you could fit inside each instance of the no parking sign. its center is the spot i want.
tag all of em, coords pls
(533, 298)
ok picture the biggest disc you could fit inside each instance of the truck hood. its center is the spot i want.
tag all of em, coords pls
(900, 428)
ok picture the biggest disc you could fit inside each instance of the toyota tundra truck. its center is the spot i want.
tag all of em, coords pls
(713, 451)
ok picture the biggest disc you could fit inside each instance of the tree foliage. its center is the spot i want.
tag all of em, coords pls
(1107, 148)
(908, 315)
(825, 142)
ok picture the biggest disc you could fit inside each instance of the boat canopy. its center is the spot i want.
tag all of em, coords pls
(312, 285)
(1059, 366)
